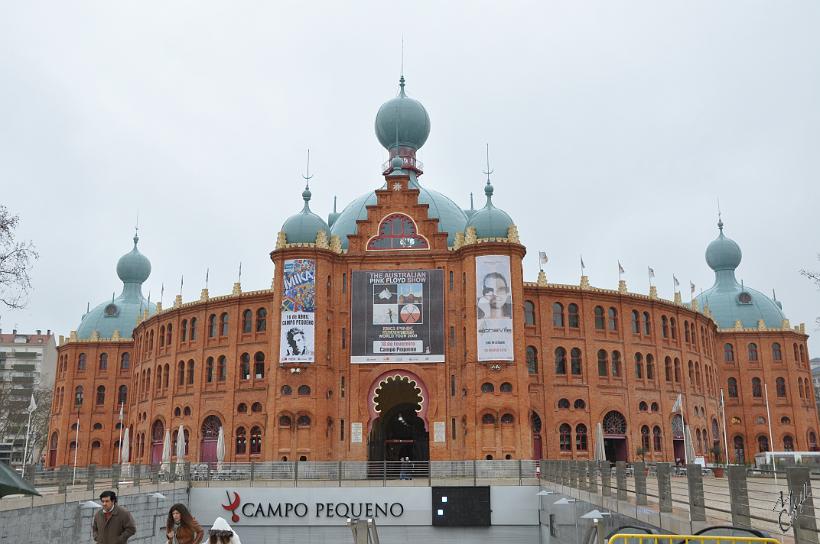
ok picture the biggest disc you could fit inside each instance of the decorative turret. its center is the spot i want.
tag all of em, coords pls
(489, 221)
(303, 227)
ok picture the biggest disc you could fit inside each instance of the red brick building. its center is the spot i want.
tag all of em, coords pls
(403, 326)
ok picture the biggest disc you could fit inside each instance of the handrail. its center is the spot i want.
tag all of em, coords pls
(627, 538)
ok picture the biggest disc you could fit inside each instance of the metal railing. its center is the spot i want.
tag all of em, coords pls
(688, 539)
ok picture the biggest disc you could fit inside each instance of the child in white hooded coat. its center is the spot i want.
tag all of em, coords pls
(221, 533)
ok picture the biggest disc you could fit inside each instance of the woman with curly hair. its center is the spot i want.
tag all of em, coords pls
(182, 527)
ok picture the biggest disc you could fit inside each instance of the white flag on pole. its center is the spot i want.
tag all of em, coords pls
(678, 404)
(542, 257)
(32, 405)
(651, 271)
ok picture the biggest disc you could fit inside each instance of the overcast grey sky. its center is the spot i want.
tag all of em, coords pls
(613, 129)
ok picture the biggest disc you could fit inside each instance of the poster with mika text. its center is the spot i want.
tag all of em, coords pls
(494, 308)
(298, 312)
(397, 316)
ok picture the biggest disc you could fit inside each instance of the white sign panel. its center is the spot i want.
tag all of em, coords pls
(494, 308)
(439, 431)
(356, 433)
(259, 506)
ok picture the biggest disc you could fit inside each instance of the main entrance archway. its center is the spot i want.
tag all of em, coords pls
(398, 402)
(615, 446)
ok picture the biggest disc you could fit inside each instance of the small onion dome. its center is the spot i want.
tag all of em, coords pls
(134, 267)
(402, 122)
(303, 227)
(723, 253)
(489, 221)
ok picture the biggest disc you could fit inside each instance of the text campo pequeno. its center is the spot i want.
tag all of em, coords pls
(323, 509)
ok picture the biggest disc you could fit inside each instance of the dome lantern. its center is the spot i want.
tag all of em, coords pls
(402, 127)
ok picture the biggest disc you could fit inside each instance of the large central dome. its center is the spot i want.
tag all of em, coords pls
(402, 122)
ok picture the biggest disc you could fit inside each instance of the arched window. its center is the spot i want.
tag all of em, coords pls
(603, 363)
(655, 407)
(245, 367)
(532, 360)
(209, 370)
(563, 404)
(579, 404)
(565, 437)
(560, 361)
(645, 438)
(780, 384)
(762, 443)
(581, 437)
(636, 322)
(557, 315)
(639, 366)
(222, 368)
(397, 231)
(777, 353)
(81, 360)
(303, 421)
(614, 423)
(616, 363)
(600, 321)
(507, 419)
(103, 361)
(667, 368)
(677, 370)
(168, 335)
(800, 387)
(673, 326)
(100, 395)
(788, 443)
(664, 326)
(122, 395)
(785, 420)
(78, 395)
(647, 324)
(575, 361)
(686, 331)
(691, 373)
(488, 419)
(162, 336)
(757, 389)
(573, 317)
(241, 441)
(247, 321)
(656, 438)
(698, 437)
(191, 372)
(166, 376)
(286, 390)
(193, 328)
(728, 353)
(529, 313)
(256, 440)
(303, 390)
(183, 332)
(812, 441)
(802, 353)
(487, 387)
(506, 387)
(643, 406)
(259, 365)
(732, 387)
(650, 367)
(261, 319)
(212, 326)
(284, 421)
(181, 373)
(125, 361)
(223, 324)
(752, 352)
(612, 319)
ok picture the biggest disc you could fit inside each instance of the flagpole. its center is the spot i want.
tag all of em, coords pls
(683, 420)
(121, 426)
(723, 417)
(769, 420)
(28, 432)
(76, 448)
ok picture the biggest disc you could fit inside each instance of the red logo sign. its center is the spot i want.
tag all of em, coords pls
(232, 506)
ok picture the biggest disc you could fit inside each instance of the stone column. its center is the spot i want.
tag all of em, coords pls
(187, 472)
(620, 479)
(564, 472)
(665, 487)
(62, 478)
(640, 482)
(91, 479)
(739, 496)
(116, 473)
(803, 520)
(573, 474)
(606, 478)
(593, 477)
(697, 504)
(136, 470)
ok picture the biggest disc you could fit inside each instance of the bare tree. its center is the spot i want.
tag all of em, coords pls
(16, 261)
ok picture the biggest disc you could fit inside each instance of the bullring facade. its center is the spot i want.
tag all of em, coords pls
(403, 326)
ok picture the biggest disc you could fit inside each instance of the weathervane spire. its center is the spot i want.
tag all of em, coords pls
(488, 171)
(720, 220)
(307, 177)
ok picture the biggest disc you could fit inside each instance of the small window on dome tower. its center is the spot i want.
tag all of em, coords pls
(744, 298)
(111, 310)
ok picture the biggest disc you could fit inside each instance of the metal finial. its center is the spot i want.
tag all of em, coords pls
(401, 76)
(307, 177)
(488, 171)
(471, 201)
(334, 203)
(137, 230)
(720, 220)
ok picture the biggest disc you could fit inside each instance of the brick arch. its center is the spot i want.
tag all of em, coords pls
(398, 373)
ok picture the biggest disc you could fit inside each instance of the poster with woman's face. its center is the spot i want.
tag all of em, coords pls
(494, 308)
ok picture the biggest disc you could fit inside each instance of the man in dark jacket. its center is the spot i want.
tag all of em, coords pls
(112, 524)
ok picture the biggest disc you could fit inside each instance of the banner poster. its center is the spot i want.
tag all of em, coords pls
(494, 308)
(298, 313)
(397, 316)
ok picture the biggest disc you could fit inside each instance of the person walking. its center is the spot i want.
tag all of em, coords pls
(112, 524)
(221, 533)
(182, 527)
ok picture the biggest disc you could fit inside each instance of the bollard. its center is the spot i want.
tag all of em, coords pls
(739, 496)
(801, 504)
(593, 477)
(116, 473)
(172, 472)
(697, 504)
(573, 474)
(665, 487)
(136, 471)
(186, 471)
(91, 471)
(640, 482)
(620, 480)
(606, 478)
(253, 471)
(62, 478)
(564, 473)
